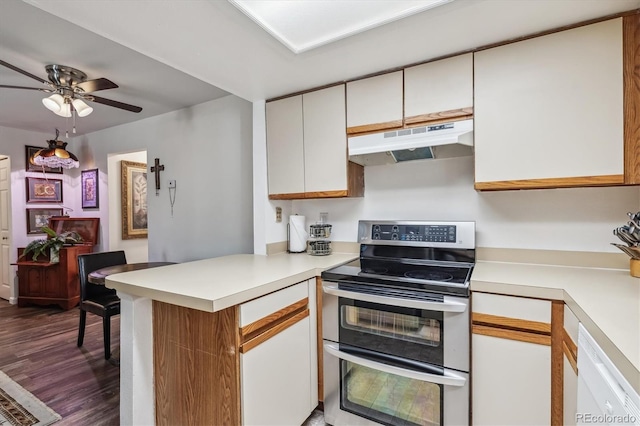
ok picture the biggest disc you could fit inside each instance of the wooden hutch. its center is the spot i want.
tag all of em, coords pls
(45, 283)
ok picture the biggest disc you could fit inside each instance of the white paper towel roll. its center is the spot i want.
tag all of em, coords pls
(297, 234)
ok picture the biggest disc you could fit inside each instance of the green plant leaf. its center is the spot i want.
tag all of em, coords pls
(42, 246)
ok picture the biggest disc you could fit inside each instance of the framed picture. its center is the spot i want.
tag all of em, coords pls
(30, 167)
(134, 200)
(89, 179)
(37, 218)
(44, 190)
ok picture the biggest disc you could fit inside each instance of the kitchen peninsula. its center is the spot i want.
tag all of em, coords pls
(605, 299)
(204, 297)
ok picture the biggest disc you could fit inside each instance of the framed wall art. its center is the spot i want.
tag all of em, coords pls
(134, 200)
(89, 180)
(44, 190)
(30, 167)
(37, 218)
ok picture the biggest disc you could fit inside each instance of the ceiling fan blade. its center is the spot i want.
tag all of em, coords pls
(116, 104)
(28, 74)
(4, 86)
(97, 84)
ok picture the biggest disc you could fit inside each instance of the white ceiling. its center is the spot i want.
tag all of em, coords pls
(305, 25)
(216, 43)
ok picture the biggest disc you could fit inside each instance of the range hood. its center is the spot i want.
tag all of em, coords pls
(444, 140)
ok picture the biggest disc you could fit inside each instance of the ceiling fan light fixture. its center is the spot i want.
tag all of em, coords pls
(81, 107)
(54, 102)
(65, 110)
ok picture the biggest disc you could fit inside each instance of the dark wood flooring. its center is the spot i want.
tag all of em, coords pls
(38, 350)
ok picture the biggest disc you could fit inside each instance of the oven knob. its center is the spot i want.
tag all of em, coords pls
(376, 228)
(394, 236)
(394, 228)
(376, 236)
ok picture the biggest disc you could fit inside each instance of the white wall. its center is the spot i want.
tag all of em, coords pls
(580, 219)
(207, 149)
(136, 249)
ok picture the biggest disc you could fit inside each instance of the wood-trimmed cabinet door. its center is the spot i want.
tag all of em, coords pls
(307, 147)
(325, 141)
(549, 110)
(375, 103)
(511, 360)
(285, 149)
(439, 91)
(278, 382)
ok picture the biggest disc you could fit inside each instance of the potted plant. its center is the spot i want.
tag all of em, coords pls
(51, 245)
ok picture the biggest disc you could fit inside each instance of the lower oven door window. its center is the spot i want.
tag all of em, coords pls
(388, 398)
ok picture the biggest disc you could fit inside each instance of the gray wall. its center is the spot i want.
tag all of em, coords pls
(207, 149)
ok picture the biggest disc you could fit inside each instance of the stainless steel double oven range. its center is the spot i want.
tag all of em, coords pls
(396, 326)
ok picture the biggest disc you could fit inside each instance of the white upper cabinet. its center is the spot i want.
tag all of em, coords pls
(325, 140)
(439, 90)
(285, 151)
(307, 147)
(549, 110)
(375, 103)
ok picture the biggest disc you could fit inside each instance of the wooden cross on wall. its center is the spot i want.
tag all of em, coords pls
(157, 168)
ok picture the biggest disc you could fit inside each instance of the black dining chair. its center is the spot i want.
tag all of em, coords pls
(95, 298)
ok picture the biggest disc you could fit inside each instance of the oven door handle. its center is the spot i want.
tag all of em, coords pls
(448, 379)
(445, 306)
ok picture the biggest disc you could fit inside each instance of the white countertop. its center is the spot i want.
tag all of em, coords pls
(215, 284)
(606, 301)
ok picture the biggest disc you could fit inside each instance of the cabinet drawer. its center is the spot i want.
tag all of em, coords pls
(512, 307)
(267, 305)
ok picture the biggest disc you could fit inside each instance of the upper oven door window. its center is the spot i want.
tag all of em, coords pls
(405, 332)
(410, 327)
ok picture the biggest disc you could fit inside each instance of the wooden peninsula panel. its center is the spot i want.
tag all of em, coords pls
(196, 366)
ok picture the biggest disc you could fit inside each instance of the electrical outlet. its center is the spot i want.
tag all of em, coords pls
(172, 184)
(278, 214)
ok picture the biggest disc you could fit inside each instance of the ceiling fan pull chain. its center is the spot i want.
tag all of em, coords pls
(74, 121)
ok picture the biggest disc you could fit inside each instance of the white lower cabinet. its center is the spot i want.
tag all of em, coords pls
(511, 382)
(570, 368)
(275, 379)
(510, 360)
(277, 360)
(570, 394)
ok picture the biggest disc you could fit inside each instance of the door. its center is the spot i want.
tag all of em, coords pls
(5, 228)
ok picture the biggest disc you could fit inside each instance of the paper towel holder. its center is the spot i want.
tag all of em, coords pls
(289, 241)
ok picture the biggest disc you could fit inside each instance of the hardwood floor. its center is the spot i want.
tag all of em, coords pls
(38, 350)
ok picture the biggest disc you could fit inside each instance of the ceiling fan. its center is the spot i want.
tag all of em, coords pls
(70, 88)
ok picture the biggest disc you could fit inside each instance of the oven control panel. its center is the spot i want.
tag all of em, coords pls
(429, 233)
(418, 233)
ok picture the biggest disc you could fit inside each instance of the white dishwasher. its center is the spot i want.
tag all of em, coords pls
(605, 397)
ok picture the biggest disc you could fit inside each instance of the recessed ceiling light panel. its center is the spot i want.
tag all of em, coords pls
(306, 24)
